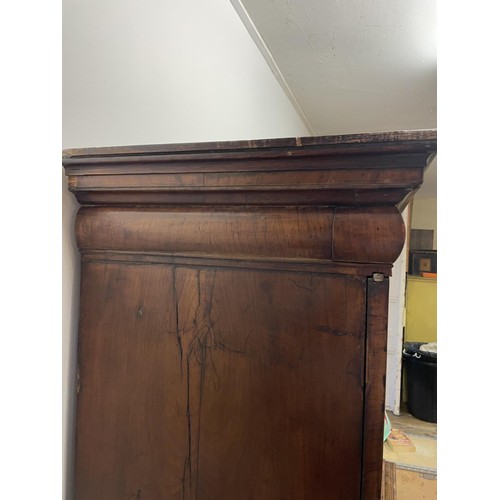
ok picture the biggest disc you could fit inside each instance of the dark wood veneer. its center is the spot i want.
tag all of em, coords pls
(233, 315)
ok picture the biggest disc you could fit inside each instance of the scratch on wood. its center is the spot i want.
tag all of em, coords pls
(224, 347)
(140, 312)
(311, 288)
(355, 369)
(330, 330)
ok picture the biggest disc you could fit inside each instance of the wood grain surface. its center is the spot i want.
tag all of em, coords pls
(377, 297)
(341, 170)
(205, 383)
(233, 315)
(281, 233)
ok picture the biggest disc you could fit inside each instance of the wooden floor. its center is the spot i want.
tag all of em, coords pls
(411, 475)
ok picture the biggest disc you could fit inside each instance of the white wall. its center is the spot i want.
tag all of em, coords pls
(155, 71)
(424, 216)
(70, 287)
(395, 320)
(160, 71)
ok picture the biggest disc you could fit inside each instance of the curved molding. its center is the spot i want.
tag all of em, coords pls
(320, 201)
(354, 235)
(374, 234)
(281, 233)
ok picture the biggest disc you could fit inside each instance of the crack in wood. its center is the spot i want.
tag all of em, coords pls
(177, 328)
(197, 355)
(187, 462)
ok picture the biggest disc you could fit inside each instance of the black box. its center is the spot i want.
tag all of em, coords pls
(422, 261)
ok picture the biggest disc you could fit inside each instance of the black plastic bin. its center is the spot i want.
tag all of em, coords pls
(421, 379)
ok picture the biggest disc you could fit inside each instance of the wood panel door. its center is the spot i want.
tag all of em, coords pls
(217, 383)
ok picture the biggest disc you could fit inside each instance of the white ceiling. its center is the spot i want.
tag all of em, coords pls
(352, 66)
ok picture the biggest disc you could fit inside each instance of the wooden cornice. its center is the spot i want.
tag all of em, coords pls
(346, 170)
(320, 201)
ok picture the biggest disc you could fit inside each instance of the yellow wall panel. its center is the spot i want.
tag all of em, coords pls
(421, 309)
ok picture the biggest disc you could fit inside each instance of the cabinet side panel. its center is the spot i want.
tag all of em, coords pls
(376, 360)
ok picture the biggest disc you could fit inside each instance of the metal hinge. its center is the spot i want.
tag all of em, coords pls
(378, 277)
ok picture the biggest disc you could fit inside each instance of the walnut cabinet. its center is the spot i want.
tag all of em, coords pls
(233, 314)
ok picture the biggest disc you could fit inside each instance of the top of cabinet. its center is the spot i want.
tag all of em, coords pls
(400, 140)
(341, 170)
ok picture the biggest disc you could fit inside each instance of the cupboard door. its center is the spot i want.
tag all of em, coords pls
(219, 384)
